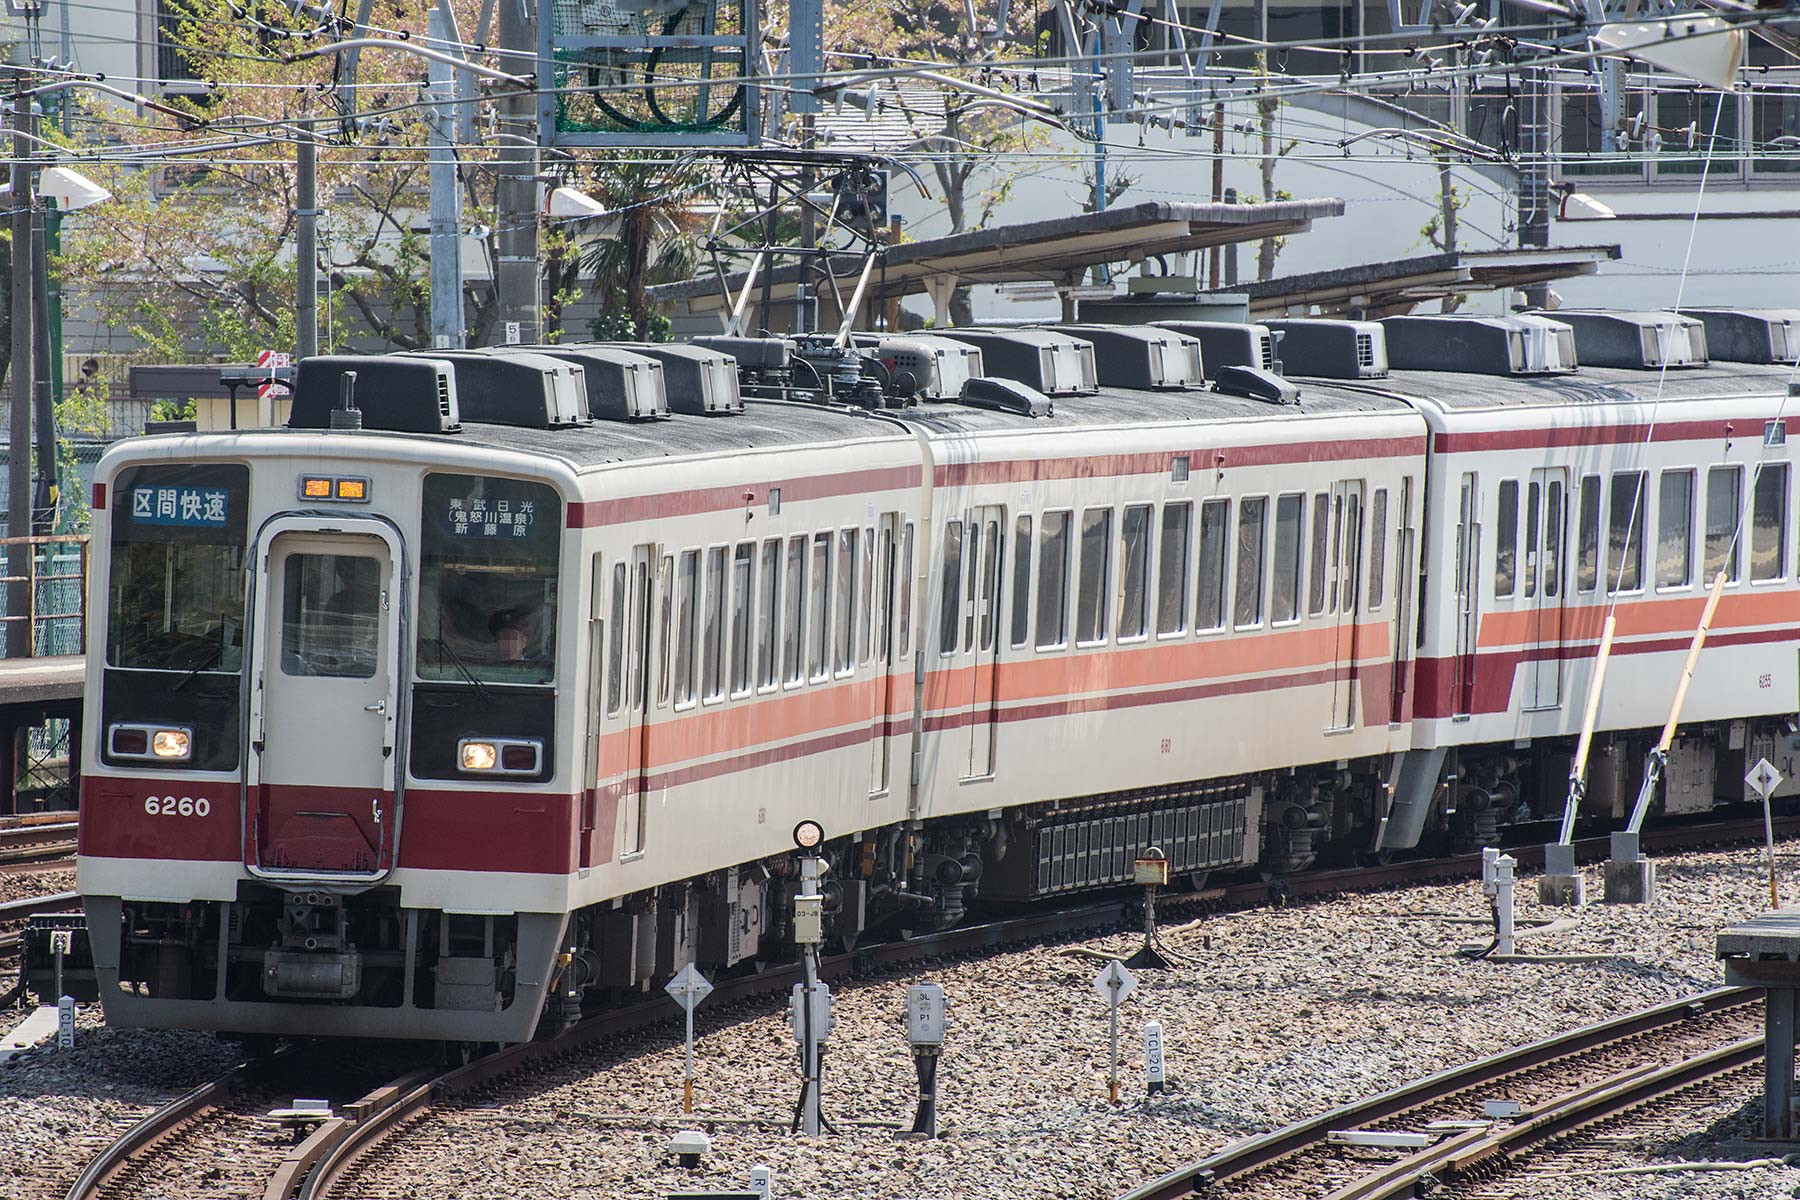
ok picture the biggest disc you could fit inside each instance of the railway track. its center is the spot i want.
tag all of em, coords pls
(1562, 1084)
(39, 842)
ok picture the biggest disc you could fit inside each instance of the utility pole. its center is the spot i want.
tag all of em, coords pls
(446, 206)
(43, 505)
(306, 248)
(515, 192)
(18, 476)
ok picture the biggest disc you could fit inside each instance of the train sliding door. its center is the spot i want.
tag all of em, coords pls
(1468, 560)
(1402, 576)
(881, 617)
(981, 632)
(1345, 588)
(634, 790)
(1546, 524)
(322, 771)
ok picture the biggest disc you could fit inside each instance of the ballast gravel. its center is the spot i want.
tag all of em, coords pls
(26, 884)
(1270, 1016)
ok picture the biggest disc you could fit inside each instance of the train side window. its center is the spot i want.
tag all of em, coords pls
(906, 590)
(1096, 573)
(1675, 530)
(615, 651)
(1506, 539)
(1768, 522)
(768, 617)
(1053, 581)
(1321, 537)
(687, 604)
(1215, 535)
(1555, 513)
(1172, 568)
(1724, 505)
(712, 630)
(866, 597)
(971, 564)
(818, 604)
(882, 615)
(1284, 598)
(1134, 572)
(665, 587)
(988, 620)
(1021, 580)
(1587, 546)
(743, 588)
(1252, 536)
(1625, 532)
(793, 611)
(1533, 499)
(952, 594)
(846, 600)
(1378, 549)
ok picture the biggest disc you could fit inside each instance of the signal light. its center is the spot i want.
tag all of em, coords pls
(352, 489)
(500, 756)
(166, 743)
(312, 488)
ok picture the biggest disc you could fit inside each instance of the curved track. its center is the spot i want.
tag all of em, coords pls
(1568, 1081)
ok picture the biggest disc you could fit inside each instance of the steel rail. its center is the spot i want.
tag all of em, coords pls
(158, 1125)
(30, 843)
(1478, 1148)
(1252, 1154)
(31, 906)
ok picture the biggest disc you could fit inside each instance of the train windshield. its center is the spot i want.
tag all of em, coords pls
(175, 601)
(487, 590)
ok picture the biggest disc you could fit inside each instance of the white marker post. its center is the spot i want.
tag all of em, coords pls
(65, 1005)
(1114, 982)
(1764, 778)
(689, 988)
(1154, 1073)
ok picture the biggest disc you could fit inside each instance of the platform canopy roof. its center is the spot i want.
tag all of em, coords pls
(1057, 250)
(1388, 289)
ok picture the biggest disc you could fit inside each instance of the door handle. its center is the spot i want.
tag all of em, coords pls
(379, 706)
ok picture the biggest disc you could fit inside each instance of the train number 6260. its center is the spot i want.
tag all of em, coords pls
(169, 806)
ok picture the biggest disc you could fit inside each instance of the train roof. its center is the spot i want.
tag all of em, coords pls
(766, 424)
(1455, 391)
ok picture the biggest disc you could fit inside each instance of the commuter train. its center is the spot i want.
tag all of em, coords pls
(499, 678)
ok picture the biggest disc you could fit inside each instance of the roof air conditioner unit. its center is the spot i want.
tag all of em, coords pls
(1142, 356)
(506, 386)
(1636, 339)
(1228, 343)
(698, 382)
(1472, 344)
(1005, 395)
(1753, 335)
(1549, 343)
(397, 394)
(1052, 363)
(1332, 349)
(939, 366)
(621, 385)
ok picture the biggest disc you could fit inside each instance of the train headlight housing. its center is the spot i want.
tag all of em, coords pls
(162, 743)
(500, 756)
(172, 743)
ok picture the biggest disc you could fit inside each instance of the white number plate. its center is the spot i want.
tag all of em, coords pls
(169, 806)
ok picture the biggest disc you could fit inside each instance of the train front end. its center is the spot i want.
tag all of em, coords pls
(322, 792)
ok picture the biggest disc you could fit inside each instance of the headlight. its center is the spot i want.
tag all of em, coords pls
(500, 756)
(171, 743)
(160, 742)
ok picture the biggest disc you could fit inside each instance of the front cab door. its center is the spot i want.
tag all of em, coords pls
(322, 801)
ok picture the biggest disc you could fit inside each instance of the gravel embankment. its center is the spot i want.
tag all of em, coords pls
(1275, 1015)
(36, 883)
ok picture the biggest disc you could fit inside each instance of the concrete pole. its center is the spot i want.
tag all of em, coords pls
(515, 191)
(18, 480)
(306, 247)
(446, 203)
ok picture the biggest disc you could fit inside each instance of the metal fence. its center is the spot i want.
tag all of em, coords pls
(44, 580)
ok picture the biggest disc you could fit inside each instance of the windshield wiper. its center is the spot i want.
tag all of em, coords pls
(212, 659)
(481, 692)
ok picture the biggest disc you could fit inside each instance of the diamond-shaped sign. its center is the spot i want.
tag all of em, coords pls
(1764, 778)
(1115, 982)
(689, 987)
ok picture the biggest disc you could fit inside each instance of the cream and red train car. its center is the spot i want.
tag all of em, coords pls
(1559, 495)
(419, 726)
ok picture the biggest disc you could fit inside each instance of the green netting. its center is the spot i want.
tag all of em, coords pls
(662, 89)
